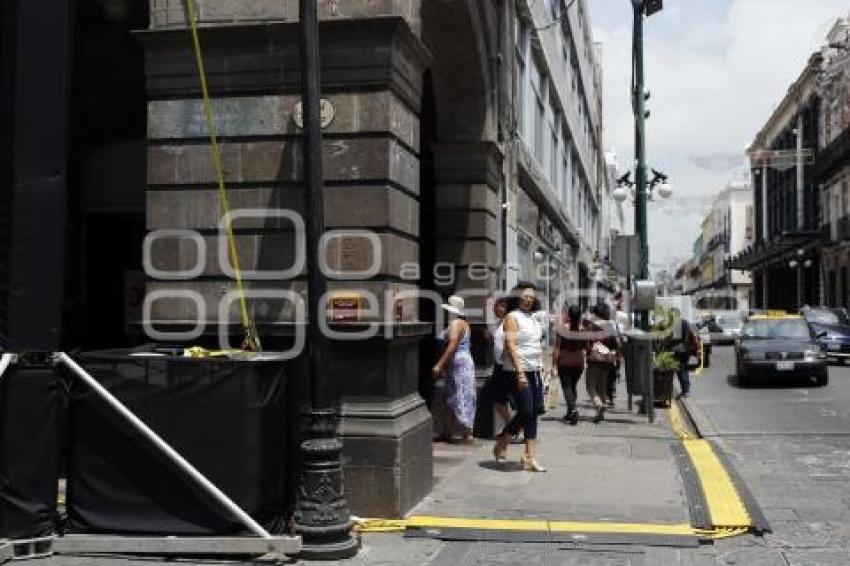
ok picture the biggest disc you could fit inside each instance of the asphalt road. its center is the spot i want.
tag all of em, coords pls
(790, 441)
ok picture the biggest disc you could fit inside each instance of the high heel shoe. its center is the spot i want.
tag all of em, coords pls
(499, 451)
(531, 465)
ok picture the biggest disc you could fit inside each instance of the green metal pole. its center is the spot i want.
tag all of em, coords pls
(639, 103)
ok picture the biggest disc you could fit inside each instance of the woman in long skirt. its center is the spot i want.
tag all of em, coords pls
(459, 370)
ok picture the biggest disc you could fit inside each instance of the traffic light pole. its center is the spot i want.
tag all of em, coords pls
(639, 105)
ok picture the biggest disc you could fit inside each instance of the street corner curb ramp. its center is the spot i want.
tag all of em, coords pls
(719, 503)
(718, 498)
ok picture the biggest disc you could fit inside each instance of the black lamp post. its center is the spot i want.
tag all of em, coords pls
(322, 517)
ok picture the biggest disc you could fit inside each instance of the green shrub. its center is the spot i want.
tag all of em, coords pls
(665, 361)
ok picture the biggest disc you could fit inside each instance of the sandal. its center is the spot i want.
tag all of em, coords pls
(499, 452)
(531, 465)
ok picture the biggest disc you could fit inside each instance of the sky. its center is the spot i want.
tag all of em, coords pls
(716, 70)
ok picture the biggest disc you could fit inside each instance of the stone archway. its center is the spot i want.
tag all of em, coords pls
(461, 175)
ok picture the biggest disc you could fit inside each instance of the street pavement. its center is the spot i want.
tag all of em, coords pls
(790, 443)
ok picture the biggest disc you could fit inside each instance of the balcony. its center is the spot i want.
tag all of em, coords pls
(715, 242)
(826, 232)
(843, 231)
(833, 156)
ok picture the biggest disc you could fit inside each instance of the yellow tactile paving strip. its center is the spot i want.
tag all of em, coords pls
(725, 506)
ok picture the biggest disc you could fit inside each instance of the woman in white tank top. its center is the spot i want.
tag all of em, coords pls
(523, 359)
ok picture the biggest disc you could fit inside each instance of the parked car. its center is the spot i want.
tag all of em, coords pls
(834, 324)
(777, 347)
(724, 326)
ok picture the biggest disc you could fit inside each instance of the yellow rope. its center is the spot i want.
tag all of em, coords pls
(252, 340)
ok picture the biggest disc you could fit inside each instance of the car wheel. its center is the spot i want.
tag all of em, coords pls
(822, 380)
(742, 379)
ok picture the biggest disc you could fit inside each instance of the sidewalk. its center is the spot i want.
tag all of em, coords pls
(622, 470)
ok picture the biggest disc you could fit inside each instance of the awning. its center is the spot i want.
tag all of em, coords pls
(761, 254)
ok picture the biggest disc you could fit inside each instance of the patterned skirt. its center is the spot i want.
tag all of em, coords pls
(460, 389)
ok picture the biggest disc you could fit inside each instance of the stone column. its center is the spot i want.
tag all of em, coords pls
(372, 70)
(468, 179)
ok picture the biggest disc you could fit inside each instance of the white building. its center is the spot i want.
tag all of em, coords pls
(728, 230)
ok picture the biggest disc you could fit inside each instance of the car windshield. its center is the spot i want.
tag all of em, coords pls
(776, 329)
(827, 316)
(729, 321)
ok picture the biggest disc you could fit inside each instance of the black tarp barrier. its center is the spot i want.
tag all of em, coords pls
(30, 412)
(36, 60)
(228, 418)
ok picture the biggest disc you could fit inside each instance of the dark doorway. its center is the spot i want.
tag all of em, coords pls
(427, 234)
(107, 174)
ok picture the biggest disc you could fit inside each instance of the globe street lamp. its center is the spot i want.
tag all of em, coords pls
(800, 263)
(659, 184)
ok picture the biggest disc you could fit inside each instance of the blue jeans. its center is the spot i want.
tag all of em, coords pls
(528, 401)
(684, 377)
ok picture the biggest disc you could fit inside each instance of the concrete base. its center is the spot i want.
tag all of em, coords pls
(387, 456)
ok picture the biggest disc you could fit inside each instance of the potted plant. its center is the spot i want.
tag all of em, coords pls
(664, 367)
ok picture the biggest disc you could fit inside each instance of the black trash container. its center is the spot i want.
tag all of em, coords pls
(228, 418)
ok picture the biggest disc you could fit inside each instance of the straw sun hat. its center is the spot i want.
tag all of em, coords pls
(455, 305)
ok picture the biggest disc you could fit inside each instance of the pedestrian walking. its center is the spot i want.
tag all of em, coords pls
(685, 345)
(457, 367)
(569, 357)
(500, 382)
(523, 359)
(602, 361)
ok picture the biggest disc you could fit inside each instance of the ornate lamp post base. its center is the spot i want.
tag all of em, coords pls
(322, 517)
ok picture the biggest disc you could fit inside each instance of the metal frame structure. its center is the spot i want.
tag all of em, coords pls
(264, 543)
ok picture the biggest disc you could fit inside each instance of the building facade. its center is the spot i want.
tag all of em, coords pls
(785, 257)
(727, 230)
(462, 152)
(833, 167)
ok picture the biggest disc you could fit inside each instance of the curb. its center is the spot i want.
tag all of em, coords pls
(702, 426)
(700, 421)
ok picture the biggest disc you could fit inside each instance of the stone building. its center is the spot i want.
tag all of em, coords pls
(464, 135)
(833, 168)
(785, 256)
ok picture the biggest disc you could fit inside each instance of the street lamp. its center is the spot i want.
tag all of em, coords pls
(639, 97)
(321, 517)
(659, 184)
(800, 263)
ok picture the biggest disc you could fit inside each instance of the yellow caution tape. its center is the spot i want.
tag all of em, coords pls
(252, 339)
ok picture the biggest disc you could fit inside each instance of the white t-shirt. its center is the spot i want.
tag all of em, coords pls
(499, 342)
(529, 342)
